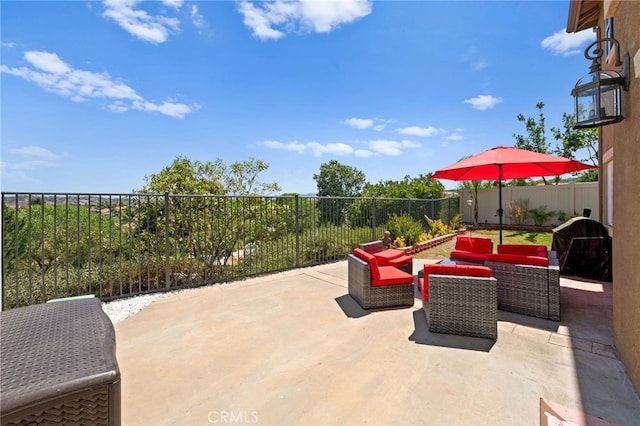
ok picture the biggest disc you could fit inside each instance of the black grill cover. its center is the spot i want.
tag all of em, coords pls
(584, 249)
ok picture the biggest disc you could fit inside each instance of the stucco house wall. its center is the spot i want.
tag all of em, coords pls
(619, 154)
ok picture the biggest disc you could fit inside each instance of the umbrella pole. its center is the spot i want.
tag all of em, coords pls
(500, 199)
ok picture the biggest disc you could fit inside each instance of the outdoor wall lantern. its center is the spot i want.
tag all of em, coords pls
(597, 94)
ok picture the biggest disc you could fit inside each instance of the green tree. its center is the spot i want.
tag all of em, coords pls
(572, 140)
(341, 181)
(212, 228)
(536, 139)
(185, 176)
(422, 187)
(14, 238)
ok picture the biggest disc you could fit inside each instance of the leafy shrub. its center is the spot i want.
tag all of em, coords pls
(404, 226)
(519, 211)
(399, 242)
(541, 215)
(456, 222)
(436, 227)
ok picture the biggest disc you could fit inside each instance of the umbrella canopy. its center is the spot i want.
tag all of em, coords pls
(504, 162)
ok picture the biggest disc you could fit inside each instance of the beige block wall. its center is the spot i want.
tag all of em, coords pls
(626, 200)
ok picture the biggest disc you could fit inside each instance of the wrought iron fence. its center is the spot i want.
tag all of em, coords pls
(117, 245)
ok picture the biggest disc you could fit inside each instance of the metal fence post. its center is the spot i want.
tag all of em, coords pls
(167, 251)
(373, 218)
(297, 215)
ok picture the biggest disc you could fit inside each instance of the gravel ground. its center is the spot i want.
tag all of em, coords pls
(121, 309)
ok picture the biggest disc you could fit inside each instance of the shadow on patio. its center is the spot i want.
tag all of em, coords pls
(294, 348)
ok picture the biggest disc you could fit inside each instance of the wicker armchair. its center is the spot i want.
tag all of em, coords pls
(389, 257)
(460, 300)
(361, 286)
(527, 289)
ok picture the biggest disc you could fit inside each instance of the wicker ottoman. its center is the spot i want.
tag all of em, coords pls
(58, 365)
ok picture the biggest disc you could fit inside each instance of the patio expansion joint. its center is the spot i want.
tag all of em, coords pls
(563, 340)
(327, 278)
(585, 345)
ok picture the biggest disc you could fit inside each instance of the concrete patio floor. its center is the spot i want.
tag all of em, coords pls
(294, 349)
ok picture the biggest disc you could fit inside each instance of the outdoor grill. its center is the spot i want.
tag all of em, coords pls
(584, 249)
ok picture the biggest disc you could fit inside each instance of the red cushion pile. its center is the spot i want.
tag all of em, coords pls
(447, 269)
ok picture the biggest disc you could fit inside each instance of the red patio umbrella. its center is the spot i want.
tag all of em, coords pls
(503, 163)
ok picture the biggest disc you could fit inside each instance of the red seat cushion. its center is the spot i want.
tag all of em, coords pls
(468, 255)
(519, 259)
(523, 249)
(446, 269)
(474, 244)
(373, 263)
(396, 261)
(390, 275)
(388, 254)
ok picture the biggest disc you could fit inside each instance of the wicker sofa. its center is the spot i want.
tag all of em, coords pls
(389, 257)
(460, 299)
(527, 285)
(471, 249)
(374, 286)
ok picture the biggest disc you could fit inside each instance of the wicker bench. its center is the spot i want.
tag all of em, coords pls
(529, 289)
(58, 365)
(460, 299)
(369, 296)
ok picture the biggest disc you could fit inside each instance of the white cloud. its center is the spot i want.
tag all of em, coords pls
(566, 44)
(330, 148)
(54, 75)
(291, 146)
(8, 44)
(25, 165)
(482, 102)
(197, 18)
(272, 20)
(154, 29)
(176, 4)
(315, 148)
(376, 124)
(49, 62)
(35, 151)
(410, 144)
(454, 137)
(386, 147)
(364, 153)
(359, 123)
(418, 131)
(375, 148)
(36, 157)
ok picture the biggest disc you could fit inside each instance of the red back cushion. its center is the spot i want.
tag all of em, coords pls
(371, 260)
(524, 249)
(518, 258)
(447, 269)
(474, 244)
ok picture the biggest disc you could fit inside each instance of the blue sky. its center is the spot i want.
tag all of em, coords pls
(96, 95)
